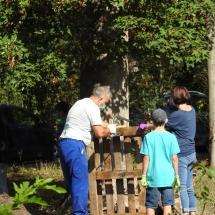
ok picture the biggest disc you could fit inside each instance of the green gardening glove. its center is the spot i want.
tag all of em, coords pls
(176, 184)
(144, 182)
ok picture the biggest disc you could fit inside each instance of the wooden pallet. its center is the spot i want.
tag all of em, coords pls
(115, 170)
(114, 178)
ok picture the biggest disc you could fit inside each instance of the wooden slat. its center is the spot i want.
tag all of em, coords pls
(99, 197)
(108, 183)
(139, 161)
(92, 180)
(98, 143)
(107, 155)
(120, 196)
(131, 196)
(119, 182)
(117, 153)
(118, 174)
(130, 131)
(109, 196)
(130, 181)
(138, 156)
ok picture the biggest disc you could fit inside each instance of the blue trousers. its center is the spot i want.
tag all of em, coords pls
(74, 163)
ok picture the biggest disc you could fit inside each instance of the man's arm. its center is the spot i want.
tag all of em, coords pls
(145, 164)
(101, 131)
(175, 163)
(105, 124)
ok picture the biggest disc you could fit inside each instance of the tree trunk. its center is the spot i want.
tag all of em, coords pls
(211, 83)
(115, 75)
(160, 84)
(100, 67)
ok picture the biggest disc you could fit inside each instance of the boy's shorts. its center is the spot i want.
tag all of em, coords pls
(152, 196)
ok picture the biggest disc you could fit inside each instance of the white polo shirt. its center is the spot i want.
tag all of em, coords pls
(80, 119)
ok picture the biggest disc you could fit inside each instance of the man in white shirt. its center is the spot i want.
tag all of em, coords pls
(82, 121)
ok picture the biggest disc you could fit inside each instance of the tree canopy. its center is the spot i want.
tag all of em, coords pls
(48, 46)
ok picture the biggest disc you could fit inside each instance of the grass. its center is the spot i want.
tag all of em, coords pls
(29, 170)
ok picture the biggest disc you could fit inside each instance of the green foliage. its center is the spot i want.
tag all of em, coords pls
(25, 194)
(203, 173)
(168, 34)
(35, 62)
(167, 39)
(47, 46)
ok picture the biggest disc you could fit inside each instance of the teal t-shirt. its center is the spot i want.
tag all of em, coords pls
(160, 147)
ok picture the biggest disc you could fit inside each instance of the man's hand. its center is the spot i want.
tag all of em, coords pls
(112, 128)
(144, 182)
(176, 183)
(143, 126)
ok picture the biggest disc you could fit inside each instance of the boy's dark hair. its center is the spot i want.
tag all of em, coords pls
(62, 106)
(158, 124)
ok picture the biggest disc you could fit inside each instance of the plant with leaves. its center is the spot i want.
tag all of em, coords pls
(25, 194)
(204, 173)
(36, 65)
(167, 36)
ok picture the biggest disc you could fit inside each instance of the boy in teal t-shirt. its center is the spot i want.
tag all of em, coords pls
(160, 165)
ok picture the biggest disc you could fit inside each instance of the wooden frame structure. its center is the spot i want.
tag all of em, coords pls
(115, 170)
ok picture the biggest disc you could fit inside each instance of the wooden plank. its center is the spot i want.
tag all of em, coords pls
(118, 174)
(120, 196)
(130, 131)
(109, 196)
(119, 182)
(139, 161)
(107, 155)
(131, 196)
(108, 183)
(130, 180)
(92, 180)
(100, 206)
(98, 165)
(117, 153)
(138, 156)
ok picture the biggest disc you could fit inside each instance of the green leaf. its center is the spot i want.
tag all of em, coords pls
(201, 164)
(121, 4)
(37, 200)
(4, 209)
(54, 188)
(209, 173)
(199, 174)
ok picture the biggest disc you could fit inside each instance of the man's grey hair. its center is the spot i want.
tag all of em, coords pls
(101, 91)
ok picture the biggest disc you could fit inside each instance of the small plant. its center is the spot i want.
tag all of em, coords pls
(202, 190)
(25, 194)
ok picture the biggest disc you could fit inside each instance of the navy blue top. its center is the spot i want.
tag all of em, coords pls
(183, 126)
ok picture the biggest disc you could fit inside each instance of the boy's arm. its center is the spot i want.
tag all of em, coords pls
(175, 163)
(145, 164)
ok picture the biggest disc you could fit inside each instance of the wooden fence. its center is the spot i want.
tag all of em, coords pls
(115, 170)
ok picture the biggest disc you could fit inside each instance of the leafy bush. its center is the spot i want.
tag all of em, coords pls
(25, 194)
